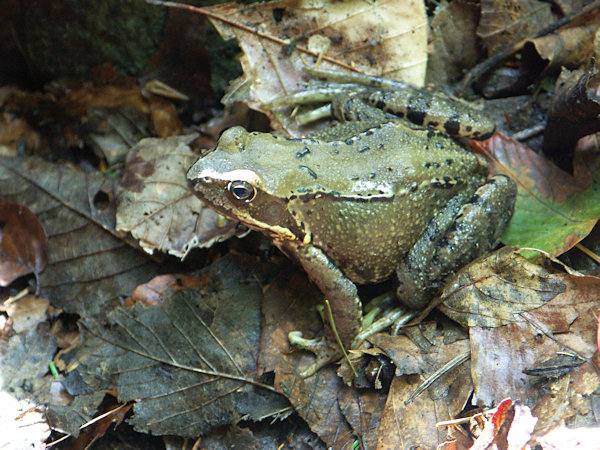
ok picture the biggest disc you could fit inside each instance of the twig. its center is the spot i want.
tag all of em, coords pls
(262, 34)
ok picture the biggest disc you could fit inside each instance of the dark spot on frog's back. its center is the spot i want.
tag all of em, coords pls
(415, 116)
(452, 127)
(302, 152)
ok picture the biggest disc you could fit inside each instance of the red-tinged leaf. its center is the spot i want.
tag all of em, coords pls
(554, 210)
(22, 243)
(509, 427)
(504, 415)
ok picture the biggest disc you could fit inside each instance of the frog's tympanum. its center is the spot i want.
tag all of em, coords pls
(362, 200)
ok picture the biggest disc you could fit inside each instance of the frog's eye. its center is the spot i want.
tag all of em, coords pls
(242, 190)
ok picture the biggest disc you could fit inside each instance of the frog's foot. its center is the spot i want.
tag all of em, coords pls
(324, 353)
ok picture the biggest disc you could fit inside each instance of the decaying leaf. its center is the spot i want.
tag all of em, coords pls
(494, 290)
(409, 424)
(454, 41)
(505, 22)
(23, 243)
(289, 305)
(564, 324)
(24, 362)
(189, 362)
(363, 410)
(89, 267)
(370, 37)
(554, 210)
(156, 205)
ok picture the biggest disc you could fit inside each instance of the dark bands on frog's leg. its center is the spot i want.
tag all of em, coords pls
(431, 109)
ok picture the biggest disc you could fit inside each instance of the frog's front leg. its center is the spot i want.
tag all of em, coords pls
(340, 292)
(464, 230)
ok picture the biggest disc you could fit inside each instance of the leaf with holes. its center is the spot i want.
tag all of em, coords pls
(89, 266)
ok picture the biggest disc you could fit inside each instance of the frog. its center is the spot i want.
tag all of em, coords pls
(368, 198)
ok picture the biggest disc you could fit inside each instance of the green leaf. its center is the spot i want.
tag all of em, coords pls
(554, 210)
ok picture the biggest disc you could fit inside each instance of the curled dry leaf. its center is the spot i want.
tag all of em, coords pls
(156, 205)
(554, 210)
(568, 47)
(23, 243)
(369, 37)
(573, 114)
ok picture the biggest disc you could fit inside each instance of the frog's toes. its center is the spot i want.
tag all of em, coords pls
(323, 352)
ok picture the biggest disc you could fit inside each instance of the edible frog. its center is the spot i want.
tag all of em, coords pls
(360, 201)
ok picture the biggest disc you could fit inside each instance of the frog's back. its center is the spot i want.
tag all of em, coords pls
(367, 211)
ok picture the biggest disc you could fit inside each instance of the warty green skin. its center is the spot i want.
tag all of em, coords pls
(363, 202)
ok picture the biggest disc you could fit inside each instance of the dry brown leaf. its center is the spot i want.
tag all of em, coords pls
(453, 29)
(362, 409)
(568, 47)
(89, 267)
(566, 324)
(26, 312)
(157, 207)
(288, 305)
(369, 36)
(494, 290)
(412, 425)
(505, 22)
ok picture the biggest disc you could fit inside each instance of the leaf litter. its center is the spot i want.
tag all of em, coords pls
(188, 363)
(112, 356)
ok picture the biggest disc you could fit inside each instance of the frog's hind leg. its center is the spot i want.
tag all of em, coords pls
(463, 231)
